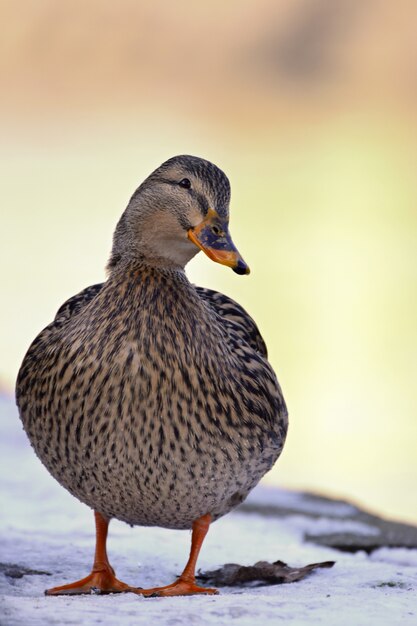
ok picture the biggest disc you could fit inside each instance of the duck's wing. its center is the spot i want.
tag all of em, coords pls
(76, 303)
(47, 337)
(235, 316)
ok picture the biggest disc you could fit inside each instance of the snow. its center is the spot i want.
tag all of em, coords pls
(44, 528)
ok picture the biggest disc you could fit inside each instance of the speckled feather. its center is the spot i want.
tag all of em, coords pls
(152, 400)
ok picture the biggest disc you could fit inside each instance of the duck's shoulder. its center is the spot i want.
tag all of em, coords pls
(234, 316)
(51, 335)
(76, 303)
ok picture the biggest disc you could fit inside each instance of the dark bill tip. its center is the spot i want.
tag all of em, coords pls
(241, 268)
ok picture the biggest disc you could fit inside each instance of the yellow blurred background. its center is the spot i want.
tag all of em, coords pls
(309, 107)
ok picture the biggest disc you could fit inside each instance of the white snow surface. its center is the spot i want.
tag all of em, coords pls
(44, 528)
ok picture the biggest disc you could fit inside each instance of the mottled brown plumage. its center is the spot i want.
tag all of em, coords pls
(149, 399)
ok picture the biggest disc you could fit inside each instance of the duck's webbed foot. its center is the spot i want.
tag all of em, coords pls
(180, 587)
(101, 580)
(186, 585)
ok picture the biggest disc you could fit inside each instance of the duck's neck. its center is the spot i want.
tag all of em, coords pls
(153, 280)
(141, 265)
(122, 265)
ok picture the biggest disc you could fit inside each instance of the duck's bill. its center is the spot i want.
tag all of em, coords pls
(213, 237)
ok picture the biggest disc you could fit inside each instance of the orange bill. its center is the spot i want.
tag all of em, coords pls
(213, 237)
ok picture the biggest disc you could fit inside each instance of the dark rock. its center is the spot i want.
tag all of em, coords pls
(383, 533)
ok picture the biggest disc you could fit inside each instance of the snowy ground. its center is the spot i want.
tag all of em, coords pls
(44, 528)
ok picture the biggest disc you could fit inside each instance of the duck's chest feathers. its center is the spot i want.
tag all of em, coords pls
(155, 339)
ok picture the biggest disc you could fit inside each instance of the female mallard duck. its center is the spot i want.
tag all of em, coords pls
(149, 399)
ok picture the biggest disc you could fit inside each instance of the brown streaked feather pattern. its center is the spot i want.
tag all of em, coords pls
(234, 317)
(151, 400)
(76, 303)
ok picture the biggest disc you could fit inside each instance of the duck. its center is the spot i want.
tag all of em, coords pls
(148, 398)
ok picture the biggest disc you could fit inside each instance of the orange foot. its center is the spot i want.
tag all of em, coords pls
(179, 588)
(100, 581)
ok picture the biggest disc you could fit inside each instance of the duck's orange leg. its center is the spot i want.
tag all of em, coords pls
(186, 585)
(102, 578)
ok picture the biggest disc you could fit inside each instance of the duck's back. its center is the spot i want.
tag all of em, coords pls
(152, 401)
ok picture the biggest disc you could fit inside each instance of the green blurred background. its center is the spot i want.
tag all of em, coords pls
(309, 106)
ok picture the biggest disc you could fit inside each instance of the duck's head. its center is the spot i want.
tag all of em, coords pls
(181, 208)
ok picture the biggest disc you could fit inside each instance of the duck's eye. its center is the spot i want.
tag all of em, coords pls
(216, 230)
(185, 183)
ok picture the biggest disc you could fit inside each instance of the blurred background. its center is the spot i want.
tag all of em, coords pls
(310, 108)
